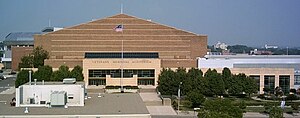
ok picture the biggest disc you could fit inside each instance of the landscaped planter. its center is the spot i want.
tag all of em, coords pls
(118, 90)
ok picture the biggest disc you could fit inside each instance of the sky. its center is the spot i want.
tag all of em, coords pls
(245, 22)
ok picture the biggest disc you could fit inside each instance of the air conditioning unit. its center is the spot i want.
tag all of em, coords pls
(69, 81)
(58, 98)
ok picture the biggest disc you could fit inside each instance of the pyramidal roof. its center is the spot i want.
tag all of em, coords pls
(131, 26)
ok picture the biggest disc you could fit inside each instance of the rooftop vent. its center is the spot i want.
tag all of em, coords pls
(69, 81)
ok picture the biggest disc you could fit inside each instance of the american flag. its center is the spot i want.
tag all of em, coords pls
(119, 28)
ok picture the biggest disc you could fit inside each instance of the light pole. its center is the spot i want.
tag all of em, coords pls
(30, 77)
(179, 97)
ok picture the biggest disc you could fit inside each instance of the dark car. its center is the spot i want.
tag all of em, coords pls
(2, 77)
(13, 72)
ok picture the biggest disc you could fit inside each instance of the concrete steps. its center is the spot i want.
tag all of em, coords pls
(147, 90)
(95, 90)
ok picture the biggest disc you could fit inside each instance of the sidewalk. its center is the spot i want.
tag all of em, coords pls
(261, 115)
(11, 90)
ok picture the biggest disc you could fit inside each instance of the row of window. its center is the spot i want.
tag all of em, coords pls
(269, 82)
(119, 55)
(103, 82)
(127, 73)
(297, 79)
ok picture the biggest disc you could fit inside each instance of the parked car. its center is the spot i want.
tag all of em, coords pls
(13, 72)
(2, 77)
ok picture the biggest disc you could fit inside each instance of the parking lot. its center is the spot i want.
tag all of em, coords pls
(7, 83)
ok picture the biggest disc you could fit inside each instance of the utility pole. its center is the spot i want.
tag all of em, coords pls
(179, 97)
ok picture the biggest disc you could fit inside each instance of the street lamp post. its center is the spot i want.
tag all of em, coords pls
(29, 77)
(179, 97)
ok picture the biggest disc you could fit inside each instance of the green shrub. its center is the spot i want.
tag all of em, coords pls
(292, 97)
(125, 87)
(22, 78)
(131, 87)
(261, 96)
(242, 105)
(112, 87)
(295, 106)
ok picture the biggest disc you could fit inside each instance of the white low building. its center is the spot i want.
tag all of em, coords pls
(49, 94)
(268, 70)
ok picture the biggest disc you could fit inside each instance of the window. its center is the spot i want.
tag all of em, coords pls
(297, 79)
(269, 81)
(70, 96)
(145, 73)
(284, 83)
(127, 73)
(97, 82)
(257, 79)
(125, 55)
(146, 82)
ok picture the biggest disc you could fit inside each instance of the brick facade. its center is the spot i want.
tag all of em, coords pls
(176, 48)
(18, 53)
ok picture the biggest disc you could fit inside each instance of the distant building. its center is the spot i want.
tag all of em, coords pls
(220, 45)
(51, 29)
(18, 44)
(16, 39)
(271, 46)
(214, 53)
(260, 52)
(268, 70)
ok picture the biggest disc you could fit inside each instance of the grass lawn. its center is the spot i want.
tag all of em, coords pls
(252, 105)
(262, 109)
(255, 109)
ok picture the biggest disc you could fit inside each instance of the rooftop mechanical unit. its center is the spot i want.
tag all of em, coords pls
(58, 98)
(69, 81)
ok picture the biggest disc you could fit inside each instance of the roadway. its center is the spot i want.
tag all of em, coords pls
(7, 83)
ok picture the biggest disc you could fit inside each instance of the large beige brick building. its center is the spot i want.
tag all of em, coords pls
(97, 47)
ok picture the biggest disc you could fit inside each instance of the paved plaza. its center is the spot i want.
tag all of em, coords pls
(108, 105)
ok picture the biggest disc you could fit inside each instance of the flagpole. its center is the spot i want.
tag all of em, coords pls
(122, 56)
(121, 8)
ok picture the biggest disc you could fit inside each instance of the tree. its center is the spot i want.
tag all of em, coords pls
(180, 76)
(226, 75)
(298, 91)
(39, 55)
(294, 91)
(61, 73)
(22, 78)
(196, 98)
(34, 59)
(241, 83)
(43, 73)
(267, 90)
(242, 105)
(194, 81)
(214, 82)
(276, 112)
(295, 106)
(166, 82)
(250, 85)
(77, 73)
(273, 110)
(239, 49)
(26, 62)
(236, 85)
(220, 108)
(278, 91)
